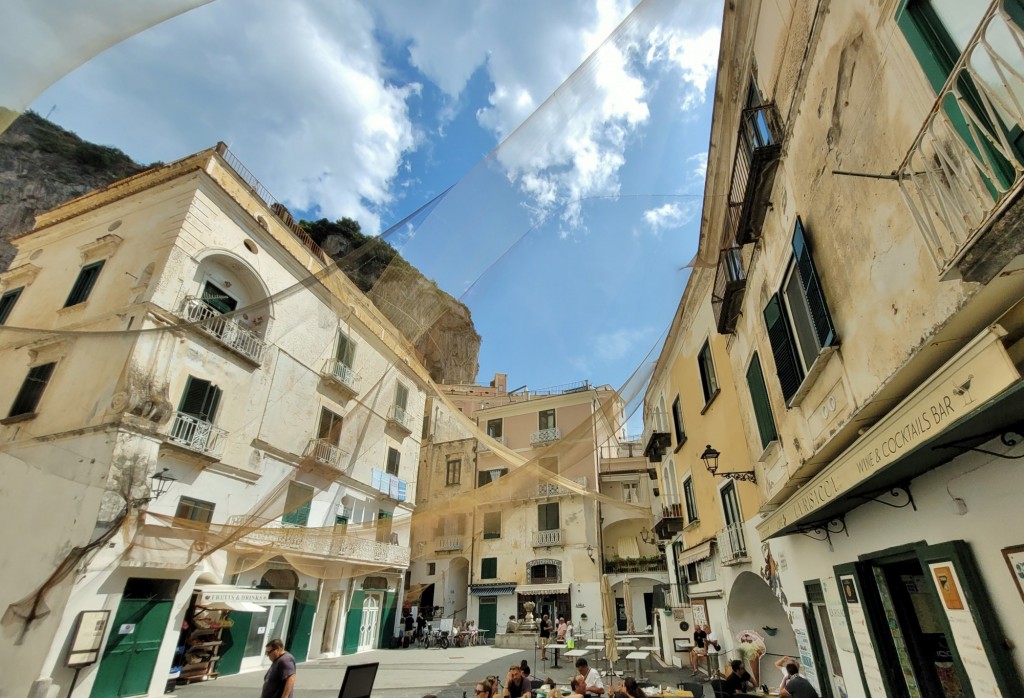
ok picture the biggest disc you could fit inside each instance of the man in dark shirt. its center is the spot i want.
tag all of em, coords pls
(409, 623)
(545, 636)
(698, 647)
(516, 685)
(280, 678)
(797, 686)
(421, 623)
(737, 679)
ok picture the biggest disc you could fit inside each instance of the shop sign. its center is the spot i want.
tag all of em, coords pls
(254, 595)
(982, 370)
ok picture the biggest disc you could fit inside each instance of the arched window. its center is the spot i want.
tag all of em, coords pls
(671, 504)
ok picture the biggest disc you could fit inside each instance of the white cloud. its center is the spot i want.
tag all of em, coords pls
(700, 164)
(665, 216)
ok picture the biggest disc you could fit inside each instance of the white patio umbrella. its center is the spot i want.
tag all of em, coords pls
(628, 601)
(608, 617)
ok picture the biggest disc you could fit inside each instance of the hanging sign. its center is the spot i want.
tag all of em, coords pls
(87, 638)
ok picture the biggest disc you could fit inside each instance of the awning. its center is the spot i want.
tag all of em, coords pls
(499, 589)
(413, 593)
(542, 589)
(695, 554)
(242, 606)
(976, 392)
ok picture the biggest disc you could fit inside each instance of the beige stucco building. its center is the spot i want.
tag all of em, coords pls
(172, 334)
(873, 325)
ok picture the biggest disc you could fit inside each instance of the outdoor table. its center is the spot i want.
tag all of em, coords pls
(483, 636)
(577, 653)
(652, 649)
(556, 646)
(638, 656)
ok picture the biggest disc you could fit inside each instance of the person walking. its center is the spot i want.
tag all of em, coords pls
(545, 636)
(279, 681)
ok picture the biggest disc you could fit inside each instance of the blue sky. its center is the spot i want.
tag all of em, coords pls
(568, 242)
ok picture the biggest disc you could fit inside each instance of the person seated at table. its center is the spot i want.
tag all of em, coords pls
(591, 677)
(698, 650)
(631, 688)
(738, 678)
(781, 666)
(578, 686)
(484, 689)
(797, 686)
(524, 667)
(516, 685)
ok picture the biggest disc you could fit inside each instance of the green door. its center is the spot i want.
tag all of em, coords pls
(353, 620)
(387, 627)
(300, 624)
(233, 649)
(488, 615)
(138, 629)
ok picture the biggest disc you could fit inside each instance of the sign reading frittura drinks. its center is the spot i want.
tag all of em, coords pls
(978, 373)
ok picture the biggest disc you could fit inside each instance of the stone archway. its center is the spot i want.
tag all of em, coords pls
(458, 584)
(753, 606)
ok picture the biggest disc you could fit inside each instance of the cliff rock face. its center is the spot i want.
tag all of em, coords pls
(42, 166)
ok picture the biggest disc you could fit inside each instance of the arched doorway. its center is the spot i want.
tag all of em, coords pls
(458, 583)
(754, 606)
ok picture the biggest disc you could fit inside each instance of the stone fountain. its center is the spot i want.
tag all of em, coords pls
(528, 626)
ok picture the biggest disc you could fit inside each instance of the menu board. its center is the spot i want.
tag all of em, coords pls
(961, 623)
(862, 637)
(87, 638)
(836, 616)
(808, 667)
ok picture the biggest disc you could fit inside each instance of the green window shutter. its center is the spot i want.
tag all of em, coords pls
(346, 349)
(297, 504)
(811, 284)
(762, 407)
(394, 459)
(489, 568)
(200, 399)
(786, 364)
(401, 395)
(7, 302)
(84, 284)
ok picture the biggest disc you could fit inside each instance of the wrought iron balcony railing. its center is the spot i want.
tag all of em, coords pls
(449, 543)
(635, 565)
(486, 447)
(656, 438)
(319, 542)
(732, 544)
(543, 539)
(326, 453)
(196, 435)
(965, 166)
(730, 283)
(398, 417)
(340, 374)
(549, 489)
(545, 436)
(757, 156)
(671, 520)
(228, 331)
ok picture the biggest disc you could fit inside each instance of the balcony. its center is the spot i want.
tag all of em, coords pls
(485, 447)
(637, 565)
(340, 375)
(275, 536)
(753, 174)
(624, 449)
(400, 419)
(730, 283)
(732, 545)
(226, 330)
(197, 435)
(449, 544)
(325, 455)
(671, 520)
(656, 438)
(961, 177)
(545, 436)
(548, 489)
(543, 539)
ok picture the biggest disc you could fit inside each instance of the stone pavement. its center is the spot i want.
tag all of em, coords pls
(412, 673)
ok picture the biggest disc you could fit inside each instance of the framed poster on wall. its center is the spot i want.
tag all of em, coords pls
(1014, 557)
(87, 638)
(700, 612)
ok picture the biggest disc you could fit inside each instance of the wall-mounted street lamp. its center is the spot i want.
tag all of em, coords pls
(162, 482)
(710, 458)
(648, 537)
(590, 553)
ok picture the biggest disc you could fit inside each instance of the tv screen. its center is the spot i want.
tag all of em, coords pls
(358, 681)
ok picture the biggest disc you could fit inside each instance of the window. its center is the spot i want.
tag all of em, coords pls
(731, 505)
(330, 426)
(546, 420)
(200, 399)
(384, 520)
(547, 517)
(401, 396)
(797, 319)
(691, 500)
(31, 391)
(341, 523)
(486, 477)
(454, 474)
(677, 421)
(492, 525)
(708, 379)
(762, 407)
(394, 458)
(489, 568)
(431, 569)
(7, 302)
(84, 283)
(670, 500)
(544, 574)
(346, 350)
(218, 299)
(494, 428)
(297, 503)
(195, 510)
(631, 492)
